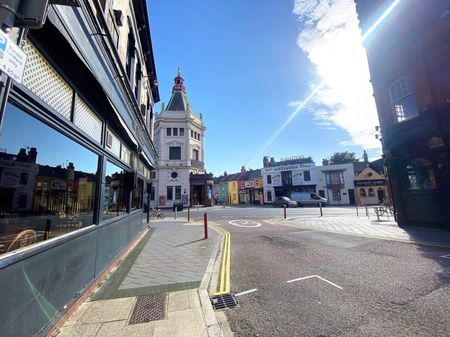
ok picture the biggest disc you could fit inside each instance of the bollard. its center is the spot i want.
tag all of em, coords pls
(189, 214)
(176, 212)
(205, 220)
(321, 212)
(367, 210)
(284, 206)
(377, 213)
(357, 213)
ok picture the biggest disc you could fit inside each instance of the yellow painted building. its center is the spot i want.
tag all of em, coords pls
(233, 194)
(371, 187)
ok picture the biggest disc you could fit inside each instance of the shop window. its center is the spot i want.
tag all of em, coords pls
(115, 192)
(138, 194)
(174, 153)
(47, 182)
(177, 192)
(420, 175)
(403, 99)
(269, 195)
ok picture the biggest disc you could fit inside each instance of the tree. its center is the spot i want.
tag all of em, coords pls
(342, 158)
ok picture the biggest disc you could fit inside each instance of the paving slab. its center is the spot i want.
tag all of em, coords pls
(107, 310)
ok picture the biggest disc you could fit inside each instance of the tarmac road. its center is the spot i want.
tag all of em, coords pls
(349, 286)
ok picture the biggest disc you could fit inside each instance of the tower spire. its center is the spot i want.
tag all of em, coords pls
(179, 71)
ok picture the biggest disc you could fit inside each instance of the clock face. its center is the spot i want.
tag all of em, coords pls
(174, 175)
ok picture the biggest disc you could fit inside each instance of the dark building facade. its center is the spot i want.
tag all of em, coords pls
(409, 60)
(76, 156)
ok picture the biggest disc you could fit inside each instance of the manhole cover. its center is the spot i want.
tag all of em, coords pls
(149, 308)
(224, 301)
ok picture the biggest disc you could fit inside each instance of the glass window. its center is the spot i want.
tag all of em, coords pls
(177, 192)
(269, 195)
(371, 192)
(421, 175)
(192, 134)
(138, 195)
(169, 131)
(307, 175)
(403, 99)
(115, 195)
(181, 131)
(47, 182)
(195, 154)
(174, 153)
(175, 131)
(152, 193)
(362, 192)
(336, 195)
(169, 192)
(286, 177)
(269, 179)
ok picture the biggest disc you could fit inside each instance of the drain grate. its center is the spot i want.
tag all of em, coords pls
(149, 308)
(227, 301)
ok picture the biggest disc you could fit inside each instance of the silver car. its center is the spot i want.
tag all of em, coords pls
(284, 201)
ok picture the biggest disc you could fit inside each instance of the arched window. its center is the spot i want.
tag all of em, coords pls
(403, 100)
(371, 192)
(362, 192)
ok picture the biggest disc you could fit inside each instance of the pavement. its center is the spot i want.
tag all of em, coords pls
(172, 271)
(165, 275)
(384, 228)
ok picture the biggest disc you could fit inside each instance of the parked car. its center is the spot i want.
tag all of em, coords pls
(307, 198)
(284, 201)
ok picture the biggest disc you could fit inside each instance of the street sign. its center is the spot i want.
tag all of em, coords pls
(12, 58)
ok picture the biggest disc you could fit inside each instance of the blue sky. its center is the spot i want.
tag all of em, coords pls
(247, 68)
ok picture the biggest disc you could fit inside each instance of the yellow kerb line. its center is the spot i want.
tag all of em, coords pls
(224, 287)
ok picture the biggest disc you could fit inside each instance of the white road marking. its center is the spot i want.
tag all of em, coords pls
(244, 223)
(311, 276)
(446, 256)
(246, 292)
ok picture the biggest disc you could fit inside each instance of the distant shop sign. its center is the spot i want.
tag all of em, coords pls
(374, 182)
(12, 58)
(249, 184)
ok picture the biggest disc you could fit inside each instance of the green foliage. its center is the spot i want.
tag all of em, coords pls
(342, 158)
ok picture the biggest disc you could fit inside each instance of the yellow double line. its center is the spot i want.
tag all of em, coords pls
(224, 287)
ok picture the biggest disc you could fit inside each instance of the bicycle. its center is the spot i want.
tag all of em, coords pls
(157, 214)
(385, 208)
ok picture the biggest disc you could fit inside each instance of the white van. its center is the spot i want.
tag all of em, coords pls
(307, 198)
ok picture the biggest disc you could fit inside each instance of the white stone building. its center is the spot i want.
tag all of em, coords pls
(336, 183)
(179, 142)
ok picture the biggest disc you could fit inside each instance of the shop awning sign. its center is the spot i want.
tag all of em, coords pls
(12, 58)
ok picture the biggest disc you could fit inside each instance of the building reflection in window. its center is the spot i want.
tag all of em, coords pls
(47, 182)
(137, 194)
(421, 174)
(115, 197)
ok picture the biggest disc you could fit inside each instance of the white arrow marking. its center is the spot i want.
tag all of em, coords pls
(311, 276)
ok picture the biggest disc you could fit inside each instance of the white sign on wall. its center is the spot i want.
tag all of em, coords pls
(297, 177)
(12, 58)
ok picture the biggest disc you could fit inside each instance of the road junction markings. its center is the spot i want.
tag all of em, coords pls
(224, 284)
(317, 276)
(244, 223)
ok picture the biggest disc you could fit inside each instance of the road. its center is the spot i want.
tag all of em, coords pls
(343, 285)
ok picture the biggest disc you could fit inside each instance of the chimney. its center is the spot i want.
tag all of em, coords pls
(366, 157)
(272, 160)
(70, 172)
(22, 155)
(32, 155)
(225, 174)
(266, 161)
(243, 170)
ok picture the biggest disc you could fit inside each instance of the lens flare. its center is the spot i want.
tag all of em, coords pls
(372, 28)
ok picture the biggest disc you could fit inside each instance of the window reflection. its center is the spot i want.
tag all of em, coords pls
(115, 197)
(47, 182)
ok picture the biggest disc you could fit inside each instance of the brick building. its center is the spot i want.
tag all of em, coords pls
(409, 58)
